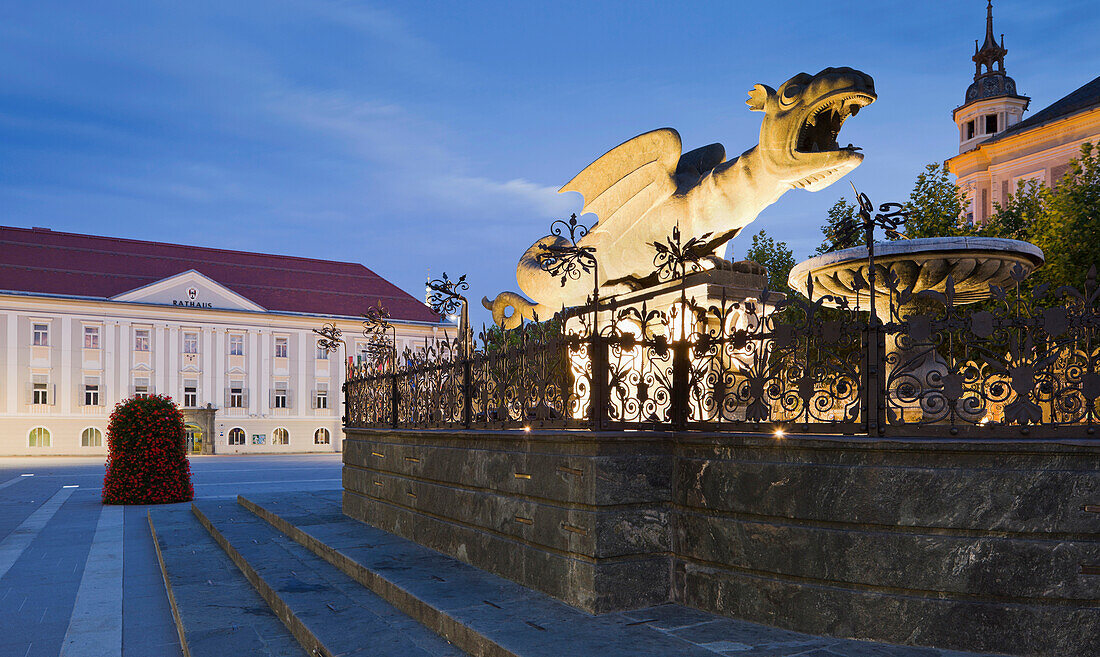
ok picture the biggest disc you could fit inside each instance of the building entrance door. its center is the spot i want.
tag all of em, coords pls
(194, 439)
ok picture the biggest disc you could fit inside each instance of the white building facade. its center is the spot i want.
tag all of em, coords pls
(249, 378)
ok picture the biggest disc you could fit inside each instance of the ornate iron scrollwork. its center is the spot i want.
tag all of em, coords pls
(675, 259)
(330, 337)
(380, 334)
(889, 217)
(1028, 359)
(445, 295)
(567, 261)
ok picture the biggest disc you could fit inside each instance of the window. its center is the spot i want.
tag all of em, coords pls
(322, 353)
(141, 388)
(278, 399)
(91, 337)
(236, 344)
(236, 397)
(190, 394)
(320, 437)
(280, 436)
(41, 335)
(322, 399)
(281, 347)
(969, 129)
(236, 436)
(40, 394)
(38, 437)
(91, 394)
(141, 339)
(990, 124)
(190, 343)
(91, 437)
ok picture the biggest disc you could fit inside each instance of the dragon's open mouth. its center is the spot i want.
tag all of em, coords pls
(822, 125)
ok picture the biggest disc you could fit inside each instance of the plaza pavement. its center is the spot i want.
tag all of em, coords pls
(81, 579)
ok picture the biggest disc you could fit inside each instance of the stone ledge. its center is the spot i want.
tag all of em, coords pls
(912, 529)
(594, 585)
(493, 617)
(592, 532)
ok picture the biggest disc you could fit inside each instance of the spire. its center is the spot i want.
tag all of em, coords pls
(990, 79)
(989, 25)
(990, 52)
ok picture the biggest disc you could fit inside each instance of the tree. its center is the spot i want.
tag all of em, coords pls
(776, 257)
(841, 228)
(935, 206)
(1063, 221)
(1018, 215)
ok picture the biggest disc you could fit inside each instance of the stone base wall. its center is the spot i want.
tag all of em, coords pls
(969, 545)
(580, 516)
(964, 545)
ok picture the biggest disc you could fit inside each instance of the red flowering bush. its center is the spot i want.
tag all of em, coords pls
(147, 457)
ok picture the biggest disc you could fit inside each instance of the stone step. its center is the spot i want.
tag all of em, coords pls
(328, 612)
(488, 615)
(216, 610)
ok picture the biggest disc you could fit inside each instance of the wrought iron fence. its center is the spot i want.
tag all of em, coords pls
(1026, 362)
(1028, 359)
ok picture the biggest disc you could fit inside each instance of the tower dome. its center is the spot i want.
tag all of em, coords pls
(990, 56)
(992, 103)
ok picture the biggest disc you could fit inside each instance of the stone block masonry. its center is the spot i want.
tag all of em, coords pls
(583, 520)
(990, 546)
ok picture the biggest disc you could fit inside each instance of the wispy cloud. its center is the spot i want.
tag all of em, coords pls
(411, 158)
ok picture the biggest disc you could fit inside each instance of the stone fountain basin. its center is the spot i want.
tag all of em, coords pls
(974, 263)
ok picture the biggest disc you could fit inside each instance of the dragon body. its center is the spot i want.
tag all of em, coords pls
(643, 188)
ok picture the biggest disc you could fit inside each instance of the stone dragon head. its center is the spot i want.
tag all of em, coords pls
(802, 119)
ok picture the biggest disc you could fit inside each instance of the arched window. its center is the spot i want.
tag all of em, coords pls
(236, 436)
(280, 436)
(320, 437)
(91, 437)
(39, 437)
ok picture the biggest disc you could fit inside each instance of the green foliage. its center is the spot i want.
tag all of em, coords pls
(776, 257)
(841, 215)
(496, 339)
(1020, 213)
(935, 206)
(1063, 221)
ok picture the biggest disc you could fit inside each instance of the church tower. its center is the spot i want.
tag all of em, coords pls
(992, 104)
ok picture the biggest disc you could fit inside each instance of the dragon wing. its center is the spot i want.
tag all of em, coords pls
(629, 179)
(701, 160)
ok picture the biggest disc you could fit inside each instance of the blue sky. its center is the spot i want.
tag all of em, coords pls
(414, 135)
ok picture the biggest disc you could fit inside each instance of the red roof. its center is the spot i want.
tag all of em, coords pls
(43, 261)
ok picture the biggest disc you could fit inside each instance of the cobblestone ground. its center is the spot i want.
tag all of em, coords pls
(78, 578)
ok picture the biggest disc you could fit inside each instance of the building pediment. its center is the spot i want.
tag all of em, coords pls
(189, 290)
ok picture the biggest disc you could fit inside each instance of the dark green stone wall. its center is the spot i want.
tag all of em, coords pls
(970, 545)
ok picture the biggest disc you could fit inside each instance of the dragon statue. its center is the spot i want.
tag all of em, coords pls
(644, 188)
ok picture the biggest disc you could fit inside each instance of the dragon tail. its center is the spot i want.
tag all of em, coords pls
(521, 309)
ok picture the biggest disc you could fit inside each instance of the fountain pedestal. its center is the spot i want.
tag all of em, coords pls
(971, 264)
